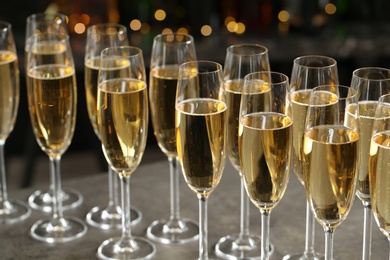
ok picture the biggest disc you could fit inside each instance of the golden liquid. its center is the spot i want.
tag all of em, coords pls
(9, 92)
(380, 180)
(330, 178)
(233, 90)
(52, 98)
(300, 102)
(366, 119)
(163, 83)
(123, 122)
(265, 141)
(91, 72)
(201, 137)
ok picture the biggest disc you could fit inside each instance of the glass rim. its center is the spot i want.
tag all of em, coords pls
(161, 38)
(232, 48)
(44, 14)
(134, 51)
(298, 61)
(357, 73)
(382, 99)
(106, 25)
(218, 66)
(354, 93)
(283, 77)
(5, 25)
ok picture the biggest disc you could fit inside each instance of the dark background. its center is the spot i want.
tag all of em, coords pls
(356, 35)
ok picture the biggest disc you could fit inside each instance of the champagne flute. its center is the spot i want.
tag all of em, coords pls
(11, 211)
(168, 52)
(331, 133)
(264, 143)
(372, 83)
(241, 59)
(308, 72)
(99, 37)
(379, 169)
(122, 117)
(36, 24)
(201, 123)
(52, 97)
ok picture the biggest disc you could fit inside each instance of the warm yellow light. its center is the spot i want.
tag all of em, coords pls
(135, 25)
(166, 31)
(206, 30)
(240, 28)
(232, 26)
(330, 9)
(145, 28)
(283, 16)
(160, 15)
(182, 30)
(229, 19)
(79, 28)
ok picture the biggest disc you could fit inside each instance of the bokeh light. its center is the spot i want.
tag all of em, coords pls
(160, 15)
(206, 30)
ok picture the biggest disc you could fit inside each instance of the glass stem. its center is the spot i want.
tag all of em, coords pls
(310, 231)
(367, 231)
(174, 188)
(329, 243)
(113, 199)
(265, 222)
(3, 185)
(126, 217)
(55, 173)
(203, 243)
(244, 218)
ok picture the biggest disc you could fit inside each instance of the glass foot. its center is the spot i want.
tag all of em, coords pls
(118, 248)
(232, 247)
(173, 231)
(58, 230)
(43, 201)
(303, 256)
(111, 217)
(14, 211)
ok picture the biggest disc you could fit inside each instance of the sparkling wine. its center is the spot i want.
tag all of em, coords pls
(9, 98)
(380, 180)
(264, 146)
(123, 122)
(163, 83)
(201, 137)
(52, 105)
(330, 163)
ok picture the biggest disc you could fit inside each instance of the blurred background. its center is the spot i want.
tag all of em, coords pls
(355, 33)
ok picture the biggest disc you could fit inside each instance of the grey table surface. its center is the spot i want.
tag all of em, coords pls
(150, 194)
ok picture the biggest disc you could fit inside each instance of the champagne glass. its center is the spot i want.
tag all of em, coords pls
(308, 72)
(379, 169)
(201, 123)
(99, 37)
(11, 211)
(168, 52)
(331, 134)
(52, 97)
(241, 59)
(372, 83)
(264, 143)
(36, 24)
(122, 117)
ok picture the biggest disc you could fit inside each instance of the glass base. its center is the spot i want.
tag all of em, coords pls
(43, 201)
(173, 232)
(111, 217)
(118, 248)
(303, 256)
(14, 211)
(231, 247)
(58, 230)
